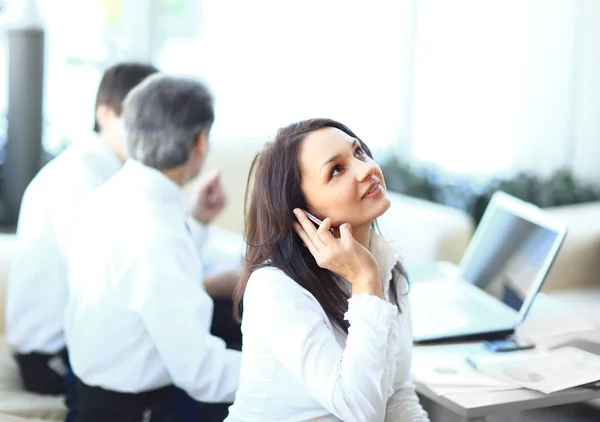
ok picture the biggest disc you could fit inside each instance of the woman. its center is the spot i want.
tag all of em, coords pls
(326, 323)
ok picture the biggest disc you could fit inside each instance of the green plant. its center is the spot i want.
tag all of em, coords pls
(561, 188)
(428, 182)
(433, 184)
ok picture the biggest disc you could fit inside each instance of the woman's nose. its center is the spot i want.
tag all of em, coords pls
(365, 170)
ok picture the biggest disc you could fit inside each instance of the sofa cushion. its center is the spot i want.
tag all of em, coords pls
(10, 379)
(9, 418)
(578, 261)
(29, 405)
(233, 157)
(425, 231)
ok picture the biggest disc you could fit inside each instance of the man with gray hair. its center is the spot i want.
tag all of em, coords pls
(138, 317)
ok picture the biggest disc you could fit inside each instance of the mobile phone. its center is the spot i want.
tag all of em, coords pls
(315, 220)
(507, 345)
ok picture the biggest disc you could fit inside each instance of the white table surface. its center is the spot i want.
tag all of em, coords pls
(546, 315)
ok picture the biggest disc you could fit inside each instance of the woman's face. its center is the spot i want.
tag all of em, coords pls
(339, 180)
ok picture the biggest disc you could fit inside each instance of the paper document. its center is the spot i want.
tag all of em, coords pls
(451, 371)
(446, 390)
(546, 371)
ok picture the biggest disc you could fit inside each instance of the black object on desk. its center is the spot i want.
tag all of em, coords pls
(507, 345)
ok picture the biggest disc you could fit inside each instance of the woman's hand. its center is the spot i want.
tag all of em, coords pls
(343, 255)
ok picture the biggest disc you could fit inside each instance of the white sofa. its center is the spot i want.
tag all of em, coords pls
(578, 262)
(574, 279)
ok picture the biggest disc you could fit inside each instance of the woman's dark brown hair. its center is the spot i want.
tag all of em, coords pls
(270, 236)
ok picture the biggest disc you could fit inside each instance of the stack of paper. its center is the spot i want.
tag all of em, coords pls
(545, 371)
(450, 374)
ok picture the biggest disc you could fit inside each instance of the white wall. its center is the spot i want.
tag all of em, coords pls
(508, 85)
(586, 145)
(498, 84)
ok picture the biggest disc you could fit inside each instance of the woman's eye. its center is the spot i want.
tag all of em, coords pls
(336, 170)
(359, 151)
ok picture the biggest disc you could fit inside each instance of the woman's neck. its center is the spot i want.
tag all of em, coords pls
(362, 234)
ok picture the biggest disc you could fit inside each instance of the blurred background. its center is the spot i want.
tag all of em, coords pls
(457, 98)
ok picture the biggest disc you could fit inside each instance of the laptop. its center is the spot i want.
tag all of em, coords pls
(489, 294)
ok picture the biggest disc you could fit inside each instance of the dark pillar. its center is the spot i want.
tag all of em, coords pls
(23, 154)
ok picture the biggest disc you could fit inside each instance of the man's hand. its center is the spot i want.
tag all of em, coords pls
(221, 285)
(209, 199)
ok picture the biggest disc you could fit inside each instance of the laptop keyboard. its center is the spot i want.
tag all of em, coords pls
(448, 307)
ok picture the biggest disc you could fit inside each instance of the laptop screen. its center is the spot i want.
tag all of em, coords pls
(512, 251)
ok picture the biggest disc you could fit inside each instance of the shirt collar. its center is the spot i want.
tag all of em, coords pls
(386, 257)
(110, 162)
(154, 184)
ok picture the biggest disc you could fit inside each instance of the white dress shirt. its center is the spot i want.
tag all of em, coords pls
(137, 317)
(296, 366)
(38, 277)
(37, 289)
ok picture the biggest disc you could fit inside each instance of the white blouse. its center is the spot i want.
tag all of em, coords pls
(296, 366)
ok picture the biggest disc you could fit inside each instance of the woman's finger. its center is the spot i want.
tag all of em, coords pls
(309, 227)
(346, 234)
(307, 240)
(325, 231)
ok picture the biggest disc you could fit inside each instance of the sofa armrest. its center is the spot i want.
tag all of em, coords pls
(578, 261)
(233, 158)
(425, 231)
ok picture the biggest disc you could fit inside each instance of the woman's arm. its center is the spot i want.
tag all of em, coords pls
(354, 382)
(404, 404)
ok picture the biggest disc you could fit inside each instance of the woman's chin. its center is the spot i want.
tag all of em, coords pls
(376, 211)
(383, 206)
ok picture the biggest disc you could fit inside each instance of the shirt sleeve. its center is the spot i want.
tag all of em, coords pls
(404, 405)
(35, 271)
(37, 288)
(177, 314)
(199, 232)
(222, 250)
(352, 383)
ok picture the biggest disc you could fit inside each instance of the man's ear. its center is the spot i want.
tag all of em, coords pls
(201, 145)
(103, 114)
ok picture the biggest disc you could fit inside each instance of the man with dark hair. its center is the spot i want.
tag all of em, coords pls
(37, 290)
(138, 316)
(116, 83)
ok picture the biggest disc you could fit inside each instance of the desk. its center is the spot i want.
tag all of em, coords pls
(475, 406)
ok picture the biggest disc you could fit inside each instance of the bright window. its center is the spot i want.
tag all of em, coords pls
(274, 62)
(494, 84)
